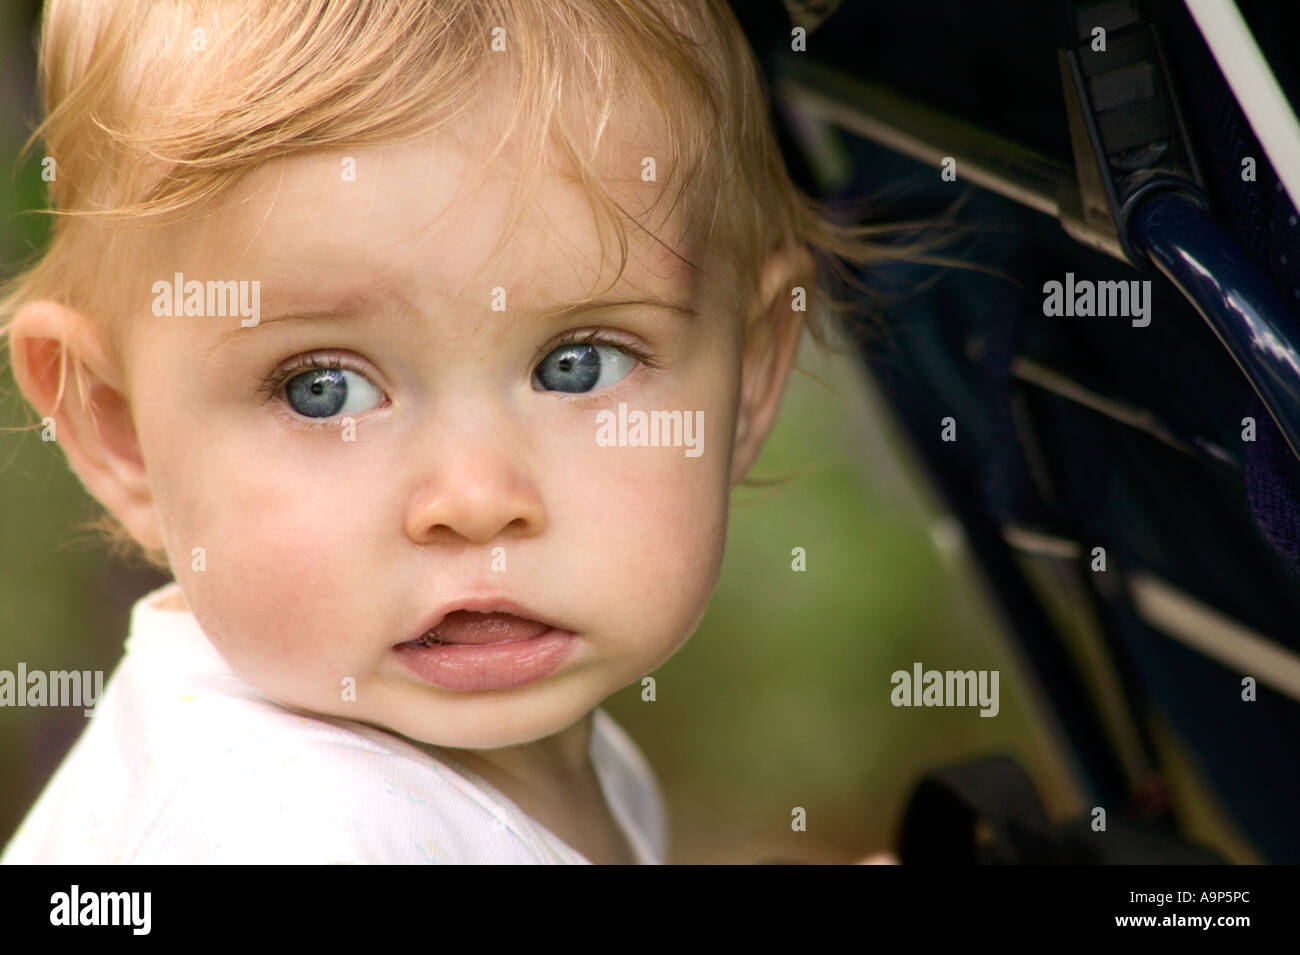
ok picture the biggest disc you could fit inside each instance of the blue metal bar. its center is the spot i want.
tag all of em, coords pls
(1251, 320)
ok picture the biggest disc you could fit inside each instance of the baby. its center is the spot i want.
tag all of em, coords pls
(422, 341)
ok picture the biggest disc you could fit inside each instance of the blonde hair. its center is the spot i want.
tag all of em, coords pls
(155, 108)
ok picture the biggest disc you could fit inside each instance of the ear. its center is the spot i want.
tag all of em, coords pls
(65, 373)
(770, 353)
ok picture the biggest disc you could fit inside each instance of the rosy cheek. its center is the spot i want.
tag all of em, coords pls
(276, 575)
(670, 517)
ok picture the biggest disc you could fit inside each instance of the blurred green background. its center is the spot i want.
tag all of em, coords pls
(780, 700)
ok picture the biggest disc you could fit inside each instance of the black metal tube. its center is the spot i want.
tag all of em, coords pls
(1251, 320)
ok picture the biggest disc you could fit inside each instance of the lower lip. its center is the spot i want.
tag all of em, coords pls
(496, 666)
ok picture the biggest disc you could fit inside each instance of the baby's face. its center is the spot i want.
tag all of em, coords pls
(470, 474)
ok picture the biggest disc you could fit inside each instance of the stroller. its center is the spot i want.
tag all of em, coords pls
(1123, 366)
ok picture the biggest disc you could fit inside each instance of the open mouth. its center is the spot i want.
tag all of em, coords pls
(472, 628)
(490, 650)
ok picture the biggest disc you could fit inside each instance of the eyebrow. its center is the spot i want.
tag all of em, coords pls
(353, 309)
(566, 311)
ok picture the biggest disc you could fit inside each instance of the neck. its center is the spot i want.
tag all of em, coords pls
(556, 759)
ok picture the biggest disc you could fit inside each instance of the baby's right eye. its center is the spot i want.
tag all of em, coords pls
(326, 392)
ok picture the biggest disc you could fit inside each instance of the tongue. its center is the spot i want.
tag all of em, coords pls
(466, 626)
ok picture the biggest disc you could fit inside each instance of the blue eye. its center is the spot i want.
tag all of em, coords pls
(582, 366)
(326, 392)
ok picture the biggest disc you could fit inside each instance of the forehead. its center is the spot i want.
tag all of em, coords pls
(415, 216)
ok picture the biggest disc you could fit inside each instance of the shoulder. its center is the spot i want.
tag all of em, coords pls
(329, 796)
(631, 781)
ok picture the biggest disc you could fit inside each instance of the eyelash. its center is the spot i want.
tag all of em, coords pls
(597, 336)
(271, 385)
(273, 382)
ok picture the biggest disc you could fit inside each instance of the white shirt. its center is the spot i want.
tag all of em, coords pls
(183, 762)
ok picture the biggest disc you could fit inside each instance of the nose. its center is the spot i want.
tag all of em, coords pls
(477, 490)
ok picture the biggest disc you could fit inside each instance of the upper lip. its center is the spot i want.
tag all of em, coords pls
(483, 605)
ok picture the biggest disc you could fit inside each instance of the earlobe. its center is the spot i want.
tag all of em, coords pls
(770, 355)
(64, 372)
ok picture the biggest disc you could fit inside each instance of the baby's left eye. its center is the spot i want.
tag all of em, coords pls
(583, 366)
(326, 392)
